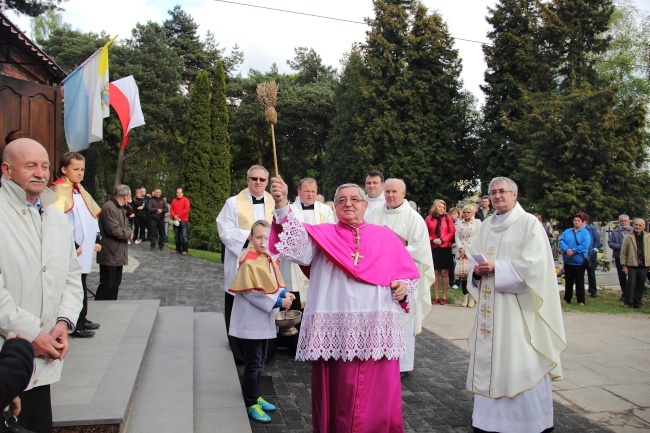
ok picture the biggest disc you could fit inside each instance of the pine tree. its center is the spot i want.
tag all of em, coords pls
(220, 173)
(344, 161)
(197, 175)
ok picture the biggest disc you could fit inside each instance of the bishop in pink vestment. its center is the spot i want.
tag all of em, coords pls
(361, 280)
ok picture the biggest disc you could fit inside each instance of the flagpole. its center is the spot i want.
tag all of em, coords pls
(106, 45)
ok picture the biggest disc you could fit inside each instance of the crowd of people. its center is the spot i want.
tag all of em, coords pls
(495, 252)
(362, 272)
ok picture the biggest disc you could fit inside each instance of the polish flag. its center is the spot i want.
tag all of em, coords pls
(125, 99)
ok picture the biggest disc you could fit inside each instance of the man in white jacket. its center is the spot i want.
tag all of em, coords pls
(40, 276)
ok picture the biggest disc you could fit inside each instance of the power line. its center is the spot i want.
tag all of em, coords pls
(362, 22)
(291, 12)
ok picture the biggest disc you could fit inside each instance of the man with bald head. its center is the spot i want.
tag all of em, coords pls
(399, 216)
(40, 276)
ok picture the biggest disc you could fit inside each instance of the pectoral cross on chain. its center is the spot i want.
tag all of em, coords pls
(356, 256)
(357, 245)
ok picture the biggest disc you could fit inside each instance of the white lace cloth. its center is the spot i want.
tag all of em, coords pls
(344, 318)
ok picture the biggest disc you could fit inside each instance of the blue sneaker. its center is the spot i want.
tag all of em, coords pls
(266, 406)
(257, 414)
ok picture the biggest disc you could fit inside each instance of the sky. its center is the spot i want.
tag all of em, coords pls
(267, 36)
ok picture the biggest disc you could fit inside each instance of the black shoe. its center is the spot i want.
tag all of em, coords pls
(82, 333)
(594, 295)
(91, 325)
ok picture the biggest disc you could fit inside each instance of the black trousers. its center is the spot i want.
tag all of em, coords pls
(157, 229)
(110, 278)
(622, 278)
(591, 274)
(81, 322)
(636, 277)
(140, 224)
(574, 274)
(36, 412)
(254, 359)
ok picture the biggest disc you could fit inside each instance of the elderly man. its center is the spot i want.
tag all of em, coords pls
(40, 276)
(518, 334)
(375, 189)
(615, 242)
(635, 261)
(352, 329)
(399, 216)
(115, 233)
(234, 224)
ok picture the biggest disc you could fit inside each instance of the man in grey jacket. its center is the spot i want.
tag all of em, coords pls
(40, 276)
(615, 242)
(115, 233)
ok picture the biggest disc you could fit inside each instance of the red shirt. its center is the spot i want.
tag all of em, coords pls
(446, 232)
(180, 207)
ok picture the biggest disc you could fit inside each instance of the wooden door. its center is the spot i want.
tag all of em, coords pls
(35, 109)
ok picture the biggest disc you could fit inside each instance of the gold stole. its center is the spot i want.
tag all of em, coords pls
(245, 213)
(485, 304)
(65, 190)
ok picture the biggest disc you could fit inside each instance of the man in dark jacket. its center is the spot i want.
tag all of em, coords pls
(485, 210)
(115, 234)
(157, 210)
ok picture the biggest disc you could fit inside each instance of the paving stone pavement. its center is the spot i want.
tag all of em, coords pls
(434, 396)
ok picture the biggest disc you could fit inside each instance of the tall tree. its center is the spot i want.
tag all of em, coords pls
(198, 169)
(344, 161)
(182, 33)
(515, 67)
(219, 120)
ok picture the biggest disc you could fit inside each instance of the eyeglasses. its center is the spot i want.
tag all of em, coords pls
(257, 179)
(498, 192)
(466, 211)
(353, 200)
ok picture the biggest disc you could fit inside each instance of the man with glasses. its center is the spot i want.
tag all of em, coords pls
(234, 225)
(615, 242)
(518, 333)
(352, 329)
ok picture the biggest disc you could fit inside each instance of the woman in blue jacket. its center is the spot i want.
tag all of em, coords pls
(574, 244)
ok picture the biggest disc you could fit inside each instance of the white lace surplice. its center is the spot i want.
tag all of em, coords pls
(344, 318)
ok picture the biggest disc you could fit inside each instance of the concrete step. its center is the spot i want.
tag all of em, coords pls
(218, 402)
(163, 400)
(100, 373)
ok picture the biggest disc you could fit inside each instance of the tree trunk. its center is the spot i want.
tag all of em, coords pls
(119, 172)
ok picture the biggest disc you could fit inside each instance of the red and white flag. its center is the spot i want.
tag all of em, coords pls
(125, 99)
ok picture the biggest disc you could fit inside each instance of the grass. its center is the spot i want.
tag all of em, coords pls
(607, 302)
(199, 254)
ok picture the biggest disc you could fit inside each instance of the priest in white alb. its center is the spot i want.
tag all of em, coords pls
(361, 281)
(518, 334)
(308, 210)
(399, 216)
(234, 224)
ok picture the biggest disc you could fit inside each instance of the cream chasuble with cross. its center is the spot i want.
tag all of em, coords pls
(518, 333)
